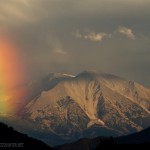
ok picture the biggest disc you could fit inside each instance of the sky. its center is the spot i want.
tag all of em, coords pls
(74, 35)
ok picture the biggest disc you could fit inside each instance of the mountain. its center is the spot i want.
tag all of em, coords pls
(9, 138)
(82, 144)
(142, 137)
(66, 108)
(139, 140)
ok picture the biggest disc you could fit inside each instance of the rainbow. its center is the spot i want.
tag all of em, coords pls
(12, 73)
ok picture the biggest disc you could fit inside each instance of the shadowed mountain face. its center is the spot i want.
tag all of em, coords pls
(64, 108)
(9, 138)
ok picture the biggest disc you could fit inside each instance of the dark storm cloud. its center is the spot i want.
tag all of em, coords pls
(74, 35)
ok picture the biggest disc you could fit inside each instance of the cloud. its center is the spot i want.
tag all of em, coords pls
(60, 51)
(127, 32)
(32, 22)
(77, 34)
(147, 39)
(15, 12)
(91, 35)
(97, 37)
(55, 45)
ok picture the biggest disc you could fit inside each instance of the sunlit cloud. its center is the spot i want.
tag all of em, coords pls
(97, 37)
(127, 32)
(91, 35)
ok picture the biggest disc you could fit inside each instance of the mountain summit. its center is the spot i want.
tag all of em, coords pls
(89, 104)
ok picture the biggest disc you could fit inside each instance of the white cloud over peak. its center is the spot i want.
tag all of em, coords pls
(127, 32)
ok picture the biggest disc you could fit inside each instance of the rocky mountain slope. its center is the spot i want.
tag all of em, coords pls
(88, 105)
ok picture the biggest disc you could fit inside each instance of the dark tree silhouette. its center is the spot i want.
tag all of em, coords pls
(13, 139)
